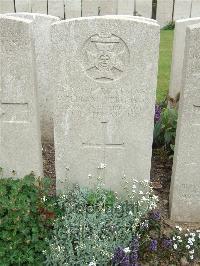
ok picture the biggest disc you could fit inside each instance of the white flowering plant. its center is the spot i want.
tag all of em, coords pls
(186, 243)
(95, 222)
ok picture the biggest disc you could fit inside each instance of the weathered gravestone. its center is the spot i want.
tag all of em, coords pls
(144, 8)
(73, 8)
(178, 55)
(42, 40)
(23, 5)
(126, 7)
(99, 7)
(105, 84)
(56, 8)
(182, 9)
(39, 6)
(164, 12)
(6, 6)
(185, 187)
(20, 145)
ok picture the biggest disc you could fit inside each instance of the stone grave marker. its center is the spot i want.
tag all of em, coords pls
(20, 144)
(6, 6)
(164, 12)
(144, 8)
(195, 8)
(39, 6)
(178, 55)
(56, 8)
(23, 5)
(185, 186)
(105, 83)
(125, 7)
(182, 9)
(73, 8)
(42, 39)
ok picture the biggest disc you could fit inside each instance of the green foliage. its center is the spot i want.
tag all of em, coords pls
(165, 129)
(166, 41)
(25, 219)
(169, 26)
(96, 221)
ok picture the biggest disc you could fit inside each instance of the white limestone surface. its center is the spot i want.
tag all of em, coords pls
(105, 81)
(178, 55)
(185, 186)
(20, 138)
(42, 40)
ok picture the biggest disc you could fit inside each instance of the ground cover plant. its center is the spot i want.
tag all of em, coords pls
(25, 220)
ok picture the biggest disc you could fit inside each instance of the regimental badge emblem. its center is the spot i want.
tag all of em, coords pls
(105, 57)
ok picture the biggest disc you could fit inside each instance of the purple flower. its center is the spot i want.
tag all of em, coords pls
(118, 255)
(158, 111)
(155, 215)
(167, 243)
(134, 251)
(153, 245)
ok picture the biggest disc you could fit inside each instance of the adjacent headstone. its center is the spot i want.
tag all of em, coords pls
(6, 6)
(73, 8)
(144, 8)
(182, 9)
(105, 82)
(126, 7)
(90, 8)
(185, 187)
(39, 6)
(56, 8)
(178, 55)
(164, 12)
(42, 39)
(195, 8)
(20, 144)
(23, 5)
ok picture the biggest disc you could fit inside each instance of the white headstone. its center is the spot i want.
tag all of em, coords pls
(20, 144)
(185, 187)
(195, 8)
(125, 7)
(144, 8)
(178, 55)
(39, 6)
(42, 39)
(72, 8)
(6, 6)
(105, 81)
(90, 8)
(164, 12)
(56, 8)
(23, 5)
(182, 9)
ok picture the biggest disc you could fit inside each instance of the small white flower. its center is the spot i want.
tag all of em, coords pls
(102, 166)
(92, 263)
(186, 235)
(141, 192)
(127, 250)
(119, 207)
(191, 257)
(174, 238)
(191, 251)
(179, 228)
(175, 246)
(178, 237)
(44, 198)
(198, 231)
(130, 213)
(192, 234)
(188, 246)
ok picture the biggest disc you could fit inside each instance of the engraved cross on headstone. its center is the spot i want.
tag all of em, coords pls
(105, 144)
(14, 112)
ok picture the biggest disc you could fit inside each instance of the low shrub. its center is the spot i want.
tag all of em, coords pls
(96, 224)
(26, 216)
(165, 127)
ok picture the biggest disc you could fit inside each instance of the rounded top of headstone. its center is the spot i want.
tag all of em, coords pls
(127, 18)
(4, 17)
(33, 16)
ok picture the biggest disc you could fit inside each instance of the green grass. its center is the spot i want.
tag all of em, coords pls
(166, 42)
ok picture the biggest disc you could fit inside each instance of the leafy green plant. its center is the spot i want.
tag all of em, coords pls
(26, 215)
(165, 129)
(170, 26)
(95, 222)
